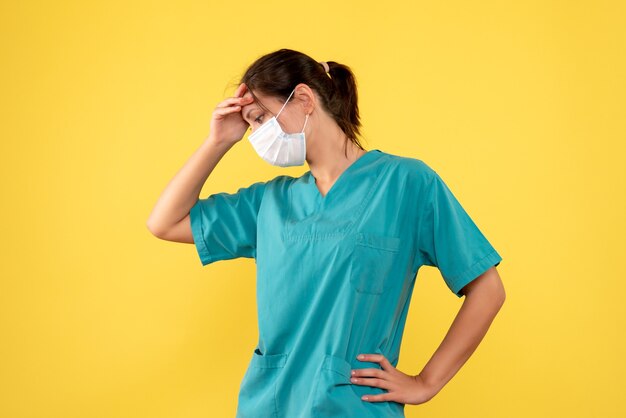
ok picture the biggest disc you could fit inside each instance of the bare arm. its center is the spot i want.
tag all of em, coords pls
(169, 219)
(484, 297)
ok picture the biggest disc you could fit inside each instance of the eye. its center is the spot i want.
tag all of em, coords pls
(258, 117)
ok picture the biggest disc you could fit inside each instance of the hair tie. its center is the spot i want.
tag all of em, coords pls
(326, 67)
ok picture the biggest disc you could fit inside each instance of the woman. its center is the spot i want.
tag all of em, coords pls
(337, 249)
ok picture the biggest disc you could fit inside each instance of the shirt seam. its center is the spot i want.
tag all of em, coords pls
(195, 216)
(458, 281)
(428, 186)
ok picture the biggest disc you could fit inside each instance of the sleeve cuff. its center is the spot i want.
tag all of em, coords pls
(475, 270)
(195, 217)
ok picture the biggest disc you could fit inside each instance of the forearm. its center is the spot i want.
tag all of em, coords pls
(465, 334)
(183, 190)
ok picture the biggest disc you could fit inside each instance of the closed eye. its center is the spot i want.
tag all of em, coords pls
(258, 117)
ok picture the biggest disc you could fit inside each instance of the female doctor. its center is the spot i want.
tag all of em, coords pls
(337, 249)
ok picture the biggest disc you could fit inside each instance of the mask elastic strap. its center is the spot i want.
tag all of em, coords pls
(305, 119)
(285, 104)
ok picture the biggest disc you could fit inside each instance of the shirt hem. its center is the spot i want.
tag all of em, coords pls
(475, 270)
(198, 234)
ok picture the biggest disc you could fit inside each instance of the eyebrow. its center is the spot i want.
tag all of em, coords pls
(258, 107)
(247, 115)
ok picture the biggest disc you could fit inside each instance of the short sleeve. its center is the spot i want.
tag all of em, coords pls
(449, 239)
(224, 225)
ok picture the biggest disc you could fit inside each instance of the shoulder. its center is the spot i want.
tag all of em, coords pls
(412, 169)
(281, 181)
(275, 182)
(257, 189)
(277, 186)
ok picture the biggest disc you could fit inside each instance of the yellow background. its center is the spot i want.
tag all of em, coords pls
(519, 106)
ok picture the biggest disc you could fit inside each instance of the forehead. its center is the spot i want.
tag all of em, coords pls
(261, 102)
(266, 100)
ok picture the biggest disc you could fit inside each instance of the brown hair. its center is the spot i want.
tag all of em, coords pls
(277, 73)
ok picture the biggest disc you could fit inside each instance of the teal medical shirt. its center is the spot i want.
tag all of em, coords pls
(335, 275)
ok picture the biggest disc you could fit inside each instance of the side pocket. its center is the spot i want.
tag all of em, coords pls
(372, 262)
(336, 396)
(333, 396)
(257, 392)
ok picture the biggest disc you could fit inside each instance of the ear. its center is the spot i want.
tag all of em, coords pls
(306, 97)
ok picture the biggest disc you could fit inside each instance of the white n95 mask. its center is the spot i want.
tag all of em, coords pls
(278, 147)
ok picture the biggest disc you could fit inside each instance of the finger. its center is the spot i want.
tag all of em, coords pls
(386, 365)
(240, 90)
(226, 110)
(372, 382)
(377, 358)
(368, 372)
(382, 397)
(235, 101)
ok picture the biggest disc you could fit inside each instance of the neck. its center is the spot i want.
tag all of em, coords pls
(329, 152)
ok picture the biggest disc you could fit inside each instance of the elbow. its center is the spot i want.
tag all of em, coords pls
(501, 297)
(497, 292)
(154, 229)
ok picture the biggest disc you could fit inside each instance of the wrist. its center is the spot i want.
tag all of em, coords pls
(217, 144)
(431, 386)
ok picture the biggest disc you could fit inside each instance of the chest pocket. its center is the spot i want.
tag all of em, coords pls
(372, 262)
